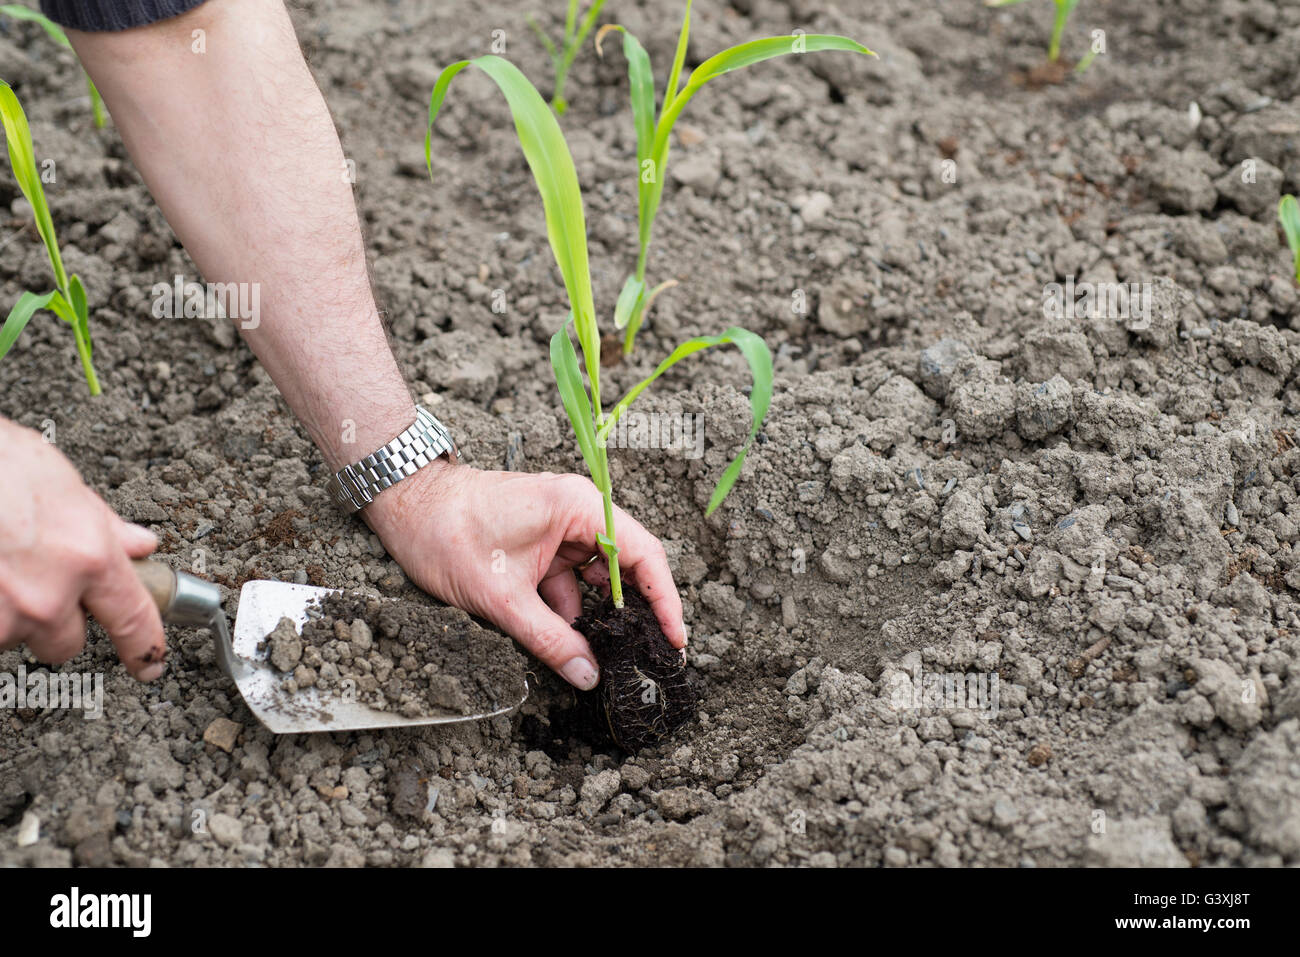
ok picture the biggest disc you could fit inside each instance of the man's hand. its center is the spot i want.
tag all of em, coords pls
(64, 552)
(504, 546)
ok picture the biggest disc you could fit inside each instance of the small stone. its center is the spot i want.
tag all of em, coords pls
(1043, 408)
(439, 857)
(680, 804)
(597, 789)
(154, 766)
(286, 646)
(1039, 755)
(226, 830)
(29, 830)
(814, 207)
(842, 307)
(634, 777)
(937, 363)
(688, 136)
(362, 638)
(1004, 814)
(95, 851)
(701, 171)
(223, 733)
(797, 683)
(85, 821)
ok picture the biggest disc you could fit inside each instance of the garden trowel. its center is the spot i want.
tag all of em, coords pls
(185, 600)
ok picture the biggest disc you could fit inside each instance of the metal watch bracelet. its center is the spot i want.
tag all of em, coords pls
(355, 486)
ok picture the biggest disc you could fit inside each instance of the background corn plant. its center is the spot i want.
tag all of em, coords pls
(575, 35)
(652, 135)
(55, 32)
(68, 299)
(552, 166)
(1063, 10)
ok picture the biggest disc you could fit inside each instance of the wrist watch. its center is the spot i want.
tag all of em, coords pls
(355, 486)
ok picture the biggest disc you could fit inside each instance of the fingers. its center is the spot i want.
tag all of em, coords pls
(642, 556)
(137, 540)
(9, 636)
(560, 591)
(122, 605)
(548, 636)
(63, 641)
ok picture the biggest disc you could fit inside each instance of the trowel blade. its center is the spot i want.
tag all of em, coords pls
(261, 606)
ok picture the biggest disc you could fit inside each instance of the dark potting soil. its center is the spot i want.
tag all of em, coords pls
(406, 657)
(644, 692)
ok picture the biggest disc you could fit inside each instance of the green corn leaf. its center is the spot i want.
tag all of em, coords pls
(557, 180)
(629, 302)
(96, 103)
(553, 53)
(747, 54)
(77, 299)
(734, 58)
(22, 157)
(638, 316)
(679, 57)
(642, 90)
(29, 303)
(56, 34)
(642, 85)
(63, 309)
(588, 22)
(759, 357)
(649, 194)
(68, 302)
(1288, 212)
(577, 405)
(607, 546)
(1063, 10)
(570, 20)
(575, 35)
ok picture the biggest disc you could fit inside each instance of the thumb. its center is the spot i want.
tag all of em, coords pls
(548, 636)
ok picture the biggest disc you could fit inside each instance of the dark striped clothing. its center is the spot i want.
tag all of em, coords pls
(94, 15)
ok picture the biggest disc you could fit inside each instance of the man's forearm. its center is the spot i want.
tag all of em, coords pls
(239, 151)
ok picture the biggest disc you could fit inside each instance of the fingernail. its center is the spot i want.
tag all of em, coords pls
(139, 535)
(580, 673)
(153, 672)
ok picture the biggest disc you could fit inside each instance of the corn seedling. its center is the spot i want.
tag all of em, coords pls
(1063, 10)
(1288, 212)
(55, 33)
(652, 135)
(551, 163)
(575, 35)
(68, 299)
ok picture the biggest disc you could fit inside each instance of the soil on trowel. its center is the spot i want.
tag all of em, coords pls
(403, 657)
(644, 692)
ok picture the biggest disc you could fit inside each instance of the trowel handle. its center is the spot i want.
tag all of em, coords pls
(182, 599)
